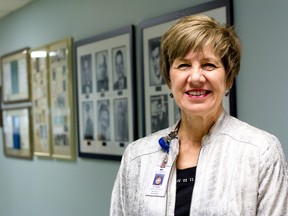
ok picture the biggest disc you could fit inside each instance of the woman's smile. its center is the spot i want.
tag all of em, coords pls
(197, 93)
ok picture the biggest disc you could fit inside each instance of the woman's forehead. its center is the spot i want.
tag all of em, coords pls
(206, 52)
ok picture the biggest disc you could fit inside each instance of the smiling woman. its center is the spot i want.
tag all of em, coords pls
(237, 169)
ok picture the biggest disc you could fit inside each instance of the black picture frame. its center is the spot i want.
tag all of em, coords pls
(155, 96)
(106, 105)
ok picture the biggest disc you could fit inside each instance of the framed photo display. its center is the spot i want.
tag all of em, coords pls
(61, 99)
(160, 110)
(15, 76)
(105, 91)
(40, 101)
(17, 132)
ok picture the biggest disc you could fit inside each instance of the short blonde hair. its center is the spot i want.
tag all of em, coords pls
(195, 32)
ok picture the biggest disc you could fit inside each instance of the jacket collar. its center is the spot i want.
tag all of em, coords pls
(214, 131)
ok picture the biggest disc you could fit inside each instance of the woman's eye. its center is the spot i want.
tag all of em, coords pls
(183, 66)
(208, 67)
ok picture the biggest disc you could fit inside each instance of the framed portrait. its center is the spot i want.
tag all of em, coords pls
(61, 99)
(105, 95)
(17, 132)
(160, 110)
(15, 76)
(40, 101)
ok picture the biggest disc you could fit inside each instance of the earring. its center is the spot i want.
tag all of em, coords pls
(227, 92)
(171, 95)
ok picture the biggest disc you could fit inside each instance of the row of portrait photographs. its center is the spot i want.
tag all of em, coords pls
(103, 121)
(159, 109)
(96, 67)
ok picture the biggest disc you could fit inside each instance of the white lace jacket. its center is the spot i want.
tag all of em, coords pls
(241, 171)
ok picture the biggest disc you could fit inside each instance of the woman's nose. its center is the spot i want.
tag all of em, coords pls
(196, 75)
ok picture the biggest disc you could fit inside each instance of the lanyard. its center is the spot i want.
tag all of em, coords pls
(165, 142)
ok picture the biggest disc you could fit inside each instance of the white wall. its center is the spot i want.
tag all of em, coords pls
(262, 83)
(63, 188)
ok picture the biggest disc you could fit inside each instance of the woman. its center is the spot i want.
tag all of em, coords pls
(213, 164)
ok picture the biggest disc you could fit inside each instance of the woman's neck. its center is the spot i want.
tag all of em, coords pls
(190, 134)
(194, 128)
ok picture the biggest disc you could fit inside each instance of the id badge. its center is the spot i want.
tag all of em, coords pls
(158, 181)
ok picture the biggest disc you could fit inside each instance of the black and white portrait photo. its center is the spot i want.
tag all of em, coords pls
(119, 68)
(121, 119)
(154, 62)
(86, 74)
(102, 80)
(159, 112)
(88, 124)
(103, 120)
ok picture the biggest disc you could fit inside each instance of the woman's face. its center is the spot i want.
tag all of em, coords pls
(158, 180)
(198, 83)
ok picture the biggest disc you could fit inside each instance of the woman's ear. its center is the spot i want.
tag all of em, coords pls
(229, 84)
(228, 87)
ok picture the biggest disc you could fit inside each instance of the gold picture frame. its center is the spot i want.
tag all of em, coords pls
(15, 76)
(40, 102)
(61, 99)
(17, 132)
